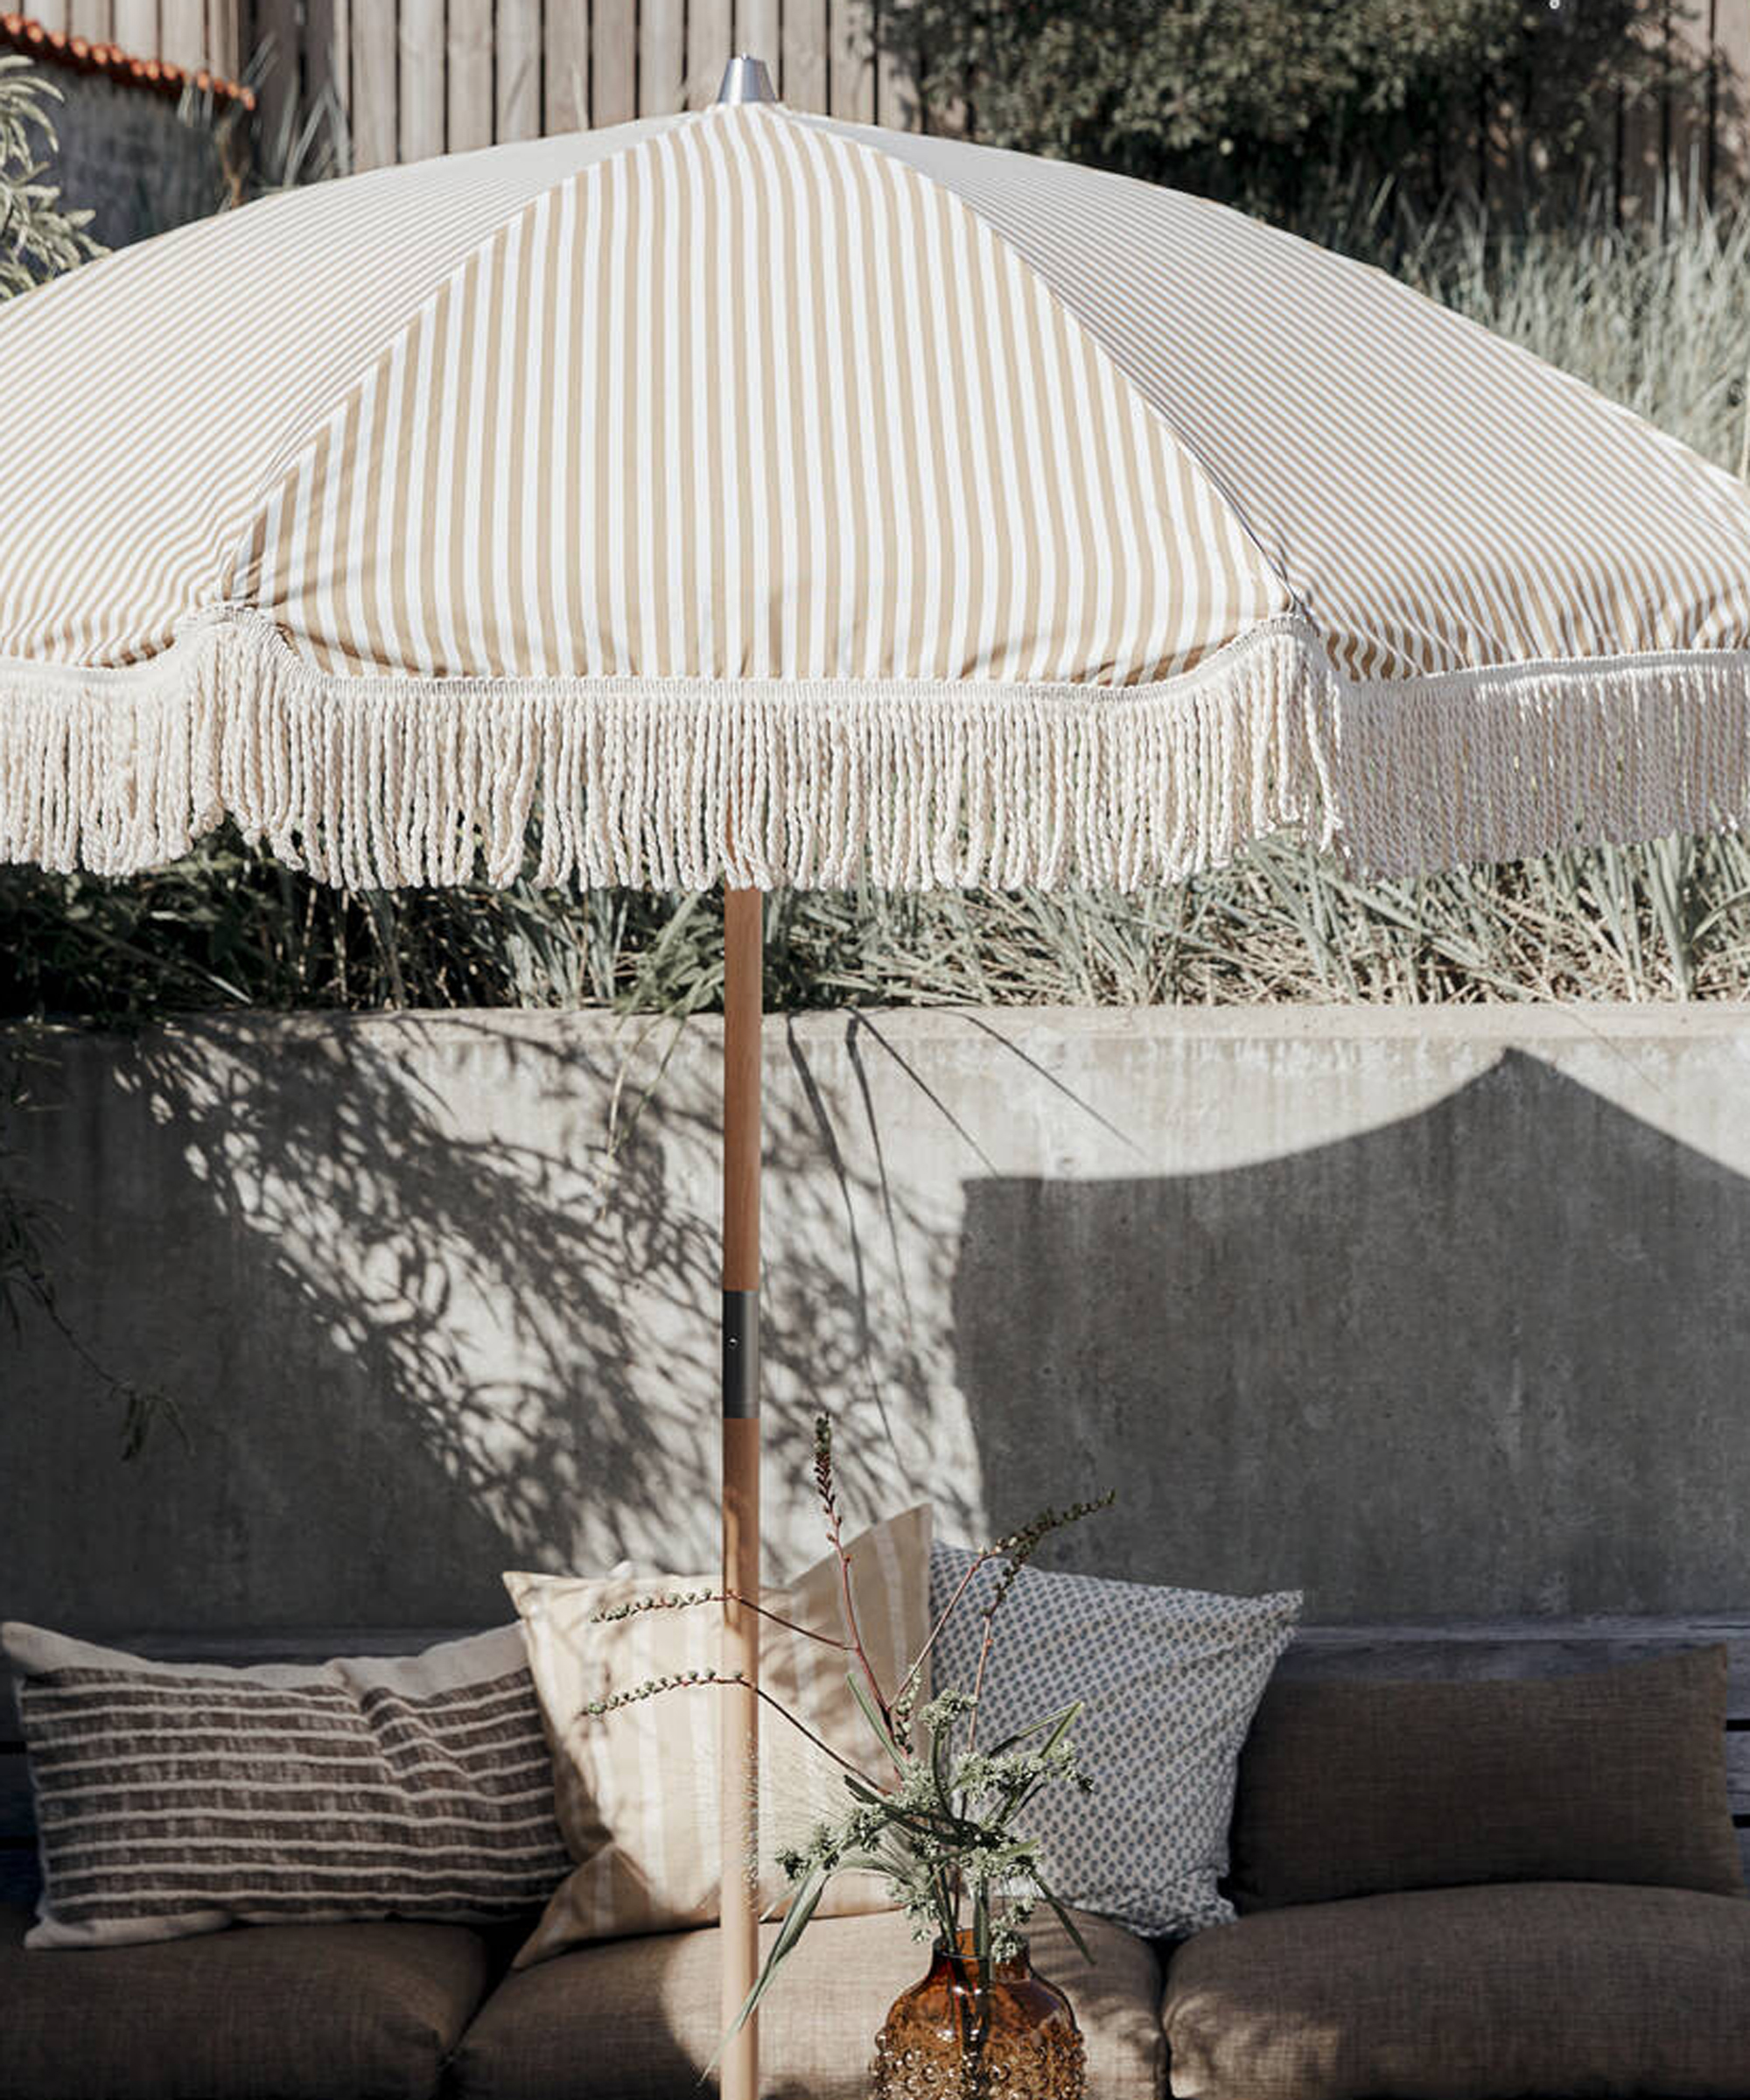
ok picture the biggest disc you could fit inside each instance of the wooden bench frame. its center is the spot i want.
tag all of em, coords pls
(1427, 1649)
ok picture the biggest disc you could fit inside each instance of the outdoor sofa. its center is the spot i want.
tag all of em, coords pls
(1359, 1769)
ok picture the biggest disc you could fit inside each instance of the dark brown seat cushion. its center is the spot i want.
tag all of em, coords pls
(638, 2020)
(1539, 1988)
(259, 2012)
(1352, 1789)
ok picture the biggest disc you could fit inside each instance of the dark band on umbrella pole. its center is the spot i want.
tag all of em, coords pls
(741, 1355)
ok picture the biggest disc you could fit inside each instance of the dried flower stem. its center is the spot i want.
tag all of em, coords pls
(685, 1681)
(825, 1489)
(1017, 1548)
(953, 1605)
(811, 1633)
(978, 1678)
(685, 1599)
(819, 1741)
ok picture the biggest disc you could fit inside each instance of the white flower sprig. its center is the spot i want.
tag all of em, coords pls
(940, 1823)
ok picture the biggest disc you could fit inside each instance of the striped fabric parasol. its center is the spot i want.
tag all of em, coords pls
(748, 495)
(750, 499)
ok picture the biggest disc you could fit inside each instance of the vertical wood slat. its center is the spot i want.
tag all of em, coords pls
(327, 66)
(374, 84)
(1693, 115)
(614, 62)
(420, 80)
(269, 39)
(136, 27)
(804, 82)
(469, 60)
(1670, 132)
(1599, 146)
(758, 31)
(189, 34)
(1732, 90)
(1667, 140)
(710, 38)
(1709, 120)
(566, 101)
(224, 47)
(897, 103)
(53, 14)
(662, 57)
(516, 70)
(1640, 123)
(851, 80)
(186, 37)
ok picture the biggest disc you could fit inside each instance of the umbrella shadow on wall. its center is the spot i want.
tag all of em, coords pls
(413, 1352)
(1489, 1358)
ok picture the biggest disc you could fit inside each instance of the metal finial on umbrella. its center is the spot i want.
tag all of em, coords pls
(745, 80)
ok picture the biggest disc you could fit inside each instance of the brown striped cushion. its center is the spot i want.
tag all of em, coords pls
(178, 1799)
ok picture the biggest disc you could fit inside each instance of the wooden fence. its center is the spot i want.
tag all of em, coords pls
(1691, 130)
(414, 77)
(191, 33)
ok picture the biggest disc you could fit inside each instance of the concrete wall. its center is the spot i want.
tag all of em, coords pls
(1441, 1313)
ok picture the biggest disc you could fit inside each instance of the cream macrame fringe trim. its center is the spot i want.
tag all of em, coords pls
(665, 784)
(1503, 764)
(401, 783)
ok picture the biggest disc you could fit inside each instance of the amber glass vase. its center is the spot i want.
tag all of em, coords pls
(945, 2039)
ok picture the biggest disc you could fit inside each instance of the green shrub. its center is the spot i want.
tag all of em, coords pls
(38, 236)
(1273, 103)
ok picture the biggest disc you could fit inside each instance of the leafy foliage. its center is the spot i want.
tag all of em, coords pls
(39, 236)
(942, 1830)
(229, 930)
(1275, 104)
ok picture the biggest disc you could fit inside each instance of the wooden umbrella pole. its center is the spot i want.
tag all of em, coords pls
(743, 956)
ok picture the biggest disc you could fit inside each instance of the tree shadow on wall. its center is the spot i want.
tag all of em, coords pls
(321, 1253)
(1488, 1358)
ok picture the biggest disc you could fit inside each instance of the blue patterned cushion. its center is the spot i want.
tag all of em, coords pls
(1170, 1679)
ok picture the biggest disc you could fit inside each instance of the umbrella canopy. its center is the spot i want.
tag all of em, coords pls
(749, 495)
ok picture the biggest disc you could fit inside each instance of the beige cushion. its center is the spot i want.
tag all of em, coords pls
(637, 1789)
(1536, 1988)
(638, 2020)
(1354, 1789)
(279, 2012)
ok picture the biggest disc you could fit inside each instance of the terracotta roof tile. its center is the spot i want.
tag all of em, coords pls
(57, 47)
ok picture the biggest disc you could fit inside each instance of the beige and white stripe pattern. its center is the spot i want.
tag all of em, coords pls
(1438, 500)
(637, 1787)
(172, 1800)
(749, 494)
(837, 430)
